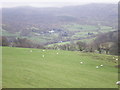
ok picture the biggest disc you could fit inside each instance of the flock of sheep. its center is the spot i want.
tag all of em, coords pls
(96, 66)
(118, 82)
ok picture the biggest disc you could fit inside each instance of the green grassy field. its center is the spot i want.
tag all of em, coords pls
(87, 28)
(57, 69)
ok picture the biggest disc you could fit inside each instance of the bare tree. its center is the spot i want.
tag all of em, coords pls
(5, 41)
(81, 45)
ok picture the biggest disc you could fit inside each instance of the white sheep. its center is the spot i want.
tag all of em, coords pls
(81, 62)
(116, 58)
(97, 67)
(30, 50)
(43, 56)
(118, 82)
(101, 65)
(43, 50)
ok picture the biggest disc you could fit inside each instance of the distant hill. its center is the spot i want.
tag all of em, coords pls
(22, 17)
(37, 23)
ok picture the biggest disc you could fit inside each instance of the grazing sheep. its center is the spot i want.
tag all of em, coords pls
(57, 53)
(97, 67)
(118, 82)
(101, 65)
(43, 56)
(81, 62)
(43, 50)
(116, 58)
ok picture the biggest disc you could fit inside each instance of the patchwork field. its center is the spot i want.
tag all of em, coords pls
(66, 33)
(37, 68)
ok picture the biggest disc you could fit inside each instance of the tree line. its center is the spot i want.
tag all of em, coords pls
(19, 42)
(105, 43)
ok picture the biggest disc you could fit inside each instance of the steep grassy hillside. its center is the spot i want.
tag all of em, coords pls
(36, 68)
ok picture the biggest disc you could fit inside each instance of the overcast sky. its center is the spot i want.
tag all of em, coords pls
(50, 3)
